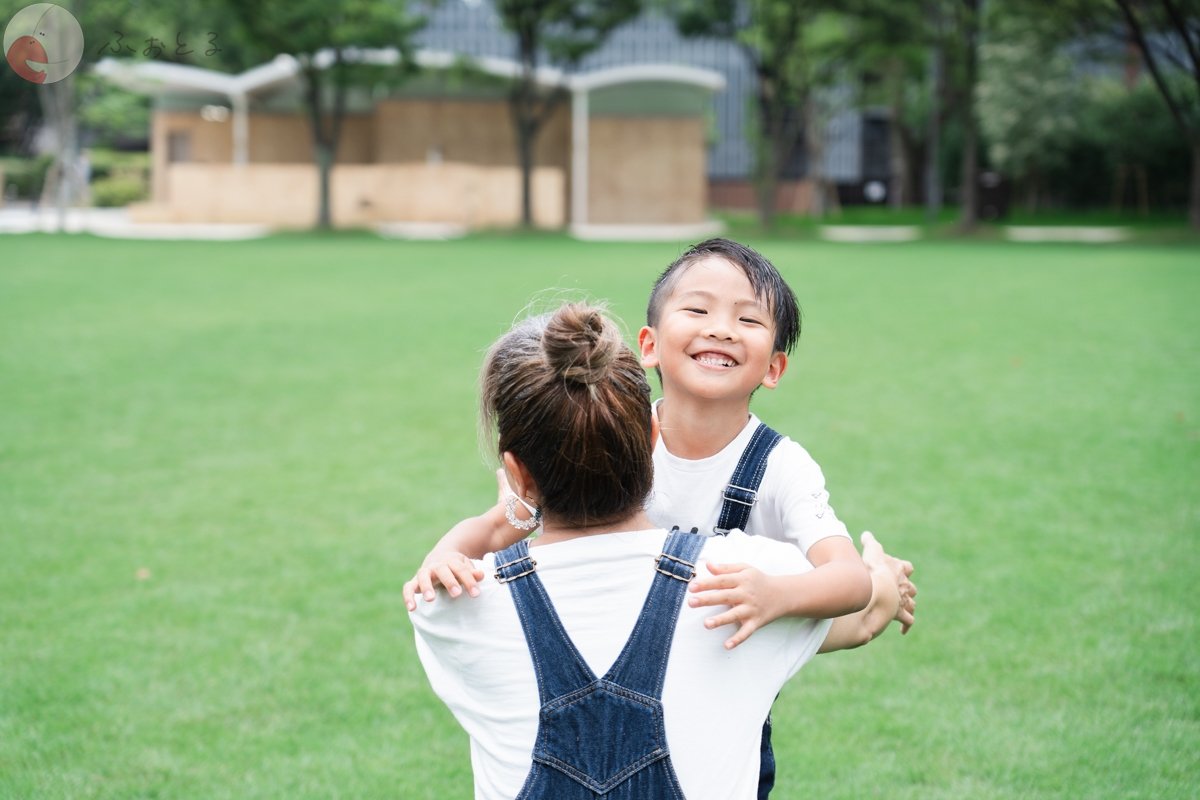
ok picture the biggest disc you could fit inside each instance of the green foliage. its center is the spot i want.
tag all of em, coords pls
(24, 177)
(304, 28)
(796, 49)
(567, 29)
(117, 191)
(1029, 117)
(106, 163)
(1132, 125)
(110, 115)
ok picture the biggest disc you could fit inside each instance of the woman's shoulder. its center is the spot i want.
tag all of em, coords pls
(769, 555)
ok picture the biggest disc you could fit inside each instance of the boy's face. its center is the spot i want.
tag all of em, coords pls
(714, 339)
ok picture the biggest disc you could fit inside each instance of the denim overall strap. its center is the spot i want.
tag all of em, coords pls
(544, 632)
(742, 491)
(642, 664)
(600, 739)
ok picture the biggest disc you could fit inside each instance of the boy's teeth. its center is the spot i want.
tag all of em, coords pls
(715, 361)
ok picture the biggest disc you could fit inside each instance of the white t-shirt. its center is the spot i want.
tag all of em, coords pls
(714, 701)
(792, 504)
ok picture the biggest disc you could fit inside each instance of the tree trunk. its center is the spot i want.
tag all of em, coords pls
(1194, 193)
(324, 168)
(933, 152)
(969, 185)
(899, 193)
(814, 143)
(61, 187)
(525, 156)
(766, 182)
(324, 145)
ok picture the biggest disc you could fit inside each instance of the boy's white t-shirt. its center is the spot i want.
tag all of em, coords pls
(714, 700)
(792, 504)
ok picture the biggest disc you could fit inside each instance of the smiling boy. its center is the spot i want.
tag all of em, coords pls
(720, 323)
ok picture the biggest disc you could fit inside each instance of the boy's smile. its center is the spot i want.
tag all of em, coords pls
(714, 339)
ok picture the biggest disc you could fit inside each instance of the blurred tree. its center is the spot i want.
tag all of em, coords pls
(58, 101)
(20, 113)
(894, 41)
(564, 31)
(1029, 117)
(792, 46)
(1140, 144)
(1163, 35)
(111, 116)
(329, 41)
(961, 44)
(111, 28)
(1167, 34)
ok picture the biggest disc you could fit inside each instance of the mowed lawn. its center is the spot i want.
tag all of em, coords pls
(219, 462)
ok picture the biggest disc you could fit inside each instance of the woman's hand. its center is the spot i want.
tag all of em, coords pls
(877, 560)
(451, 569)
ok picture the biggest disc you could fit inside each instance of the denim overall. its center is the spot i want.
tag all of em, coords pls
(601, 737)
(739, 497)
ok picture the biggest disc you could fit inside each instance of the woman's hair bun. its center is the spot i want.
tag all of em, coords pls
(581, 343)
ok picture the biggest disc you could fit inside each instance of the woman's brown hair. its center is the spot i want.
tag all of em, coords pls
(569, 399)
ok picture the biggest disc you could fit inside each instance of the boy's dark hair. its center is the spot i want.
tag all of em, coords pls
(765, 280)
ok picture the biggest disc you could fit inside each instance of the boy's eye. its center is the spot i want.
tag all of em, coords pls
(696, 310)
(752, 320)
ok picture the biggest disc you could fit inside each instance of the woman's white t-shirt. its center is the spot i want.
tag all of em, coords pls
(714, 700)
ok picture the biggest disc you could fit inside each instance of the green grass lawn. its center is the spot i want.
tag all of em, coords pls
(218, 463)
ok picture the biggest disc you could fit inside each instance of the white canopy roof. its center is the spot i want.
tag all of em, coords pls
(158, 77)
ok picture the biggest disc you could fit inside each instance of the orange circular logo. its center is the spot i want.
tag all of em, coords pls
(43, 43)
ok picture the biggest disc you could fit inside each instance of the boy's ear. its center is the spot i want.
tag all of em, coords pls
(648, 345)
(775, 369)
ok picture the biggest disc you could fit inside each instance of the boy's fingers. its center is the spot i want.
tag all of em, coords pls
(445, 574)
(743, 633)
(724, 569)
(713, 597)
(729, 617)
(713, 582)
(410, 591)
(425, 584)
(469, 577)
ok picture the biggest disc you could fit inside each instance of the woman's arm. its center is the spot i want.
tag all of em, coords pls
(893, 597)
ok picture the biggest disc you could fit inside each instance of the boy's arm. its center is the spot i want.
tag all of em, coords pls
(449, 563)
(893, 597)
(839, 584)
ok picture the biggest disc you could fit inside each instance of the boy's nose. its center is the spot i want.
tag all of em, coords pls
(718, 329)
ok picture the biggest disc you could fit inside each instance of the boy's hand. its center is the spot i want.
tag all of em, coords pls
(748, 593)
(451, 569)
(877, 560)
